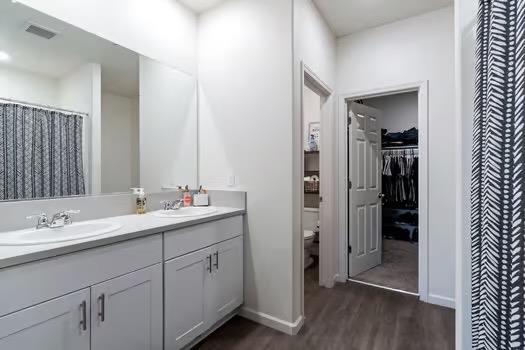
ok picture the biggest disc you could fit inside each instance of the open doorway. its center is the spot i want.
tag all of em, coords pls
(312, 102)
(390, 129)
(317, 194)
(386, 207)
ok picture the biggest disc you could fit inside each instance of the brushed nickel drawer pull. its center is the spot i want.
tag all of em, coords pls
(216, 260)
(102, 307)
(209, 263)
(83, 316)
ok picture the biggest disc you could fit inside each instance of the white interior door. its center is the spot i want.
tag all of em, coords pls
(364, 149)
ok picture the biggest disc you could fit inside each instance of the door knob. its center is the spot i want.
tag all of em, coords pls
(381, 195)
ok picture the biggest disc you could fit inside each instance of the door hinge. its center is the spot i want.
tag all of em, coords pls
(320, 199)
(349, 184)
(349, 120)
(349, 249)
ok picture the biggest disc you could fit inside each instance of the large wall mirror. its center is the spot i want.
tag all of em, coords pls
(81, 115)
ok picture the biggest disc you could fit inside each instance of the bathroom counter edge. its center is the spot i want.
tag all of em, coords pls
(134, 226)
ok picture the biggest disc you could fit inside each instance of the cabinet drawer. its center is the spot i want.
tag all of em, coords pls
(29, 284)
(189, 239)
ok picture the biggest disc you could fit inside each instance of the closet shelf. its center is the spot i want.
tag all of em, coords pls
(311, 192)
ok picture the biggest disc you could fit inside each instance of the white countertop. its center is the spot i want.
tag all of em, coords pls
(133, 226)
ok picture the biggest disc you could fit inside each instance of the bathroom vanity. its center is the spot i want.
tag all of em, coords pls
(153, 284)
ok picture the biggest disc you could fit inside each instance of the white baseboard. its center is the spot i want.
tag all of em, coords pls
(273, 322)
(340, 278)
(441, 300)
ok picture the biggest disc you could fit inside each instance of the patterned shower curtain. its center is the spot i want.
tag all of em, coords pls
(40, 153)
(498, 178)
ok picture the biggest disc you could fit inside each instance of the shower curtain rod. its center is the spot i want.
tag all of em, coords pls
(30, 104)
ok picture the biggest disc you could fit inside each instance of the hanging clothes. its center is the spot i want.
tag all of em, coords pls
(400, 178)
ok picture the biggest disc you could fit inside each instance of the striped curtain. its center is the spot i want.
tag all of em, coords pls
(498, 178)
(40, 153)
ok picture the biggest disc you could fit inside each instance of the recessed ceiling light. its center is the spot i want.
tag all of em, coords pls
(4, 56)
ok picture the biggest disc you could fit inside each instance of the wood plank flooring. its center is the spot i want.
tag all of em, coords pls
(349, 316)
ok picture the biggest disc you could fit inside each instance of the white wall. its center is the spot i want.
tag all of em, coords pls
(120, 130)
(400, 111)
(417, 49)
(161, 29)
(465, 36)
(28, 87)
(168, 127)
(315, 47)
(80, 91)
(245, 123)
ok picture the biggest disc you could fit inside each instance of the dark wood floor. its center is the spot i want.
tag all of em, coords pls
(349, 316)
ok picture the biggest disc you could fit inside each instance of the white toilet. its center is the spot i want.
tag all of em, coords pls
(308, 241)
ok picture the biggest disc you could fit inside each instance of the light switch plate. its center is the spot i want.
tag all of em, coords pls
(232, 180)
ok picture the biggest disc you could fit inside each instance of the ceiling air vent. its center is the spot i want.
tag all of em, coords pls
(40, 31)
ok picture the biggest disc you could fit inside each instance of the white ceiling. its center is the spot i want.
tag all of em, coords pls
(199, 6)
(67, 51)
(350, 16)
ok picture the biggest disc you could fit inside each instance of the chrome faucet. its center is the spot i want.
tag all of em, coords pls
(60, 219)
(42, 222)
(172, 205)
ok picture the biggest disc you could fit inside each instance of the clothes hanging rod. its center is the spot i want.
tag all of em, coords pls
(400, 147)
(51, 108)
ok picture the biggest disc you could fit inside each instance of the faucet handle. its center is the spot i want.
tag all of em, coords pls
(40, 216)
(43, 220)
(71, 211)
(66, 215)
(172, 205)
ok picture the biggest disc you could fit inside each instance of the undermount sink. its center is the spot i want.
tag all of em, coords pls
(184, 212)
(75, 231)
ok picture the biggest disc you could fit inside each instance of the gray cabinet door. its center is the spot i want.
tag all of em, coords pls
(225, 292)
(58, 324)
(185, 283)
(126, 312)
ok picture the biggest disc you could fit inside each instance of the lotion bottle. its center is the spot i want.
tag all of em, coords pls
(141, 200)
(187, 197)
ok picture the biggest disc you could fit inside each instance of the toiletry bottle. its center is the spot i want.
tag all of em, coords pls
(187, 197)
(141, 200)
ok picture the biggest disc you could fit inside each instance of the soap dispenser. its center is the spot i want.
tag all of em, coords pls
(141, 200)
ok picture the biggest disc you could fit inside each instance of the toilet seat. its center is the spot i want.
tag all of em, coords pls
(308, 234)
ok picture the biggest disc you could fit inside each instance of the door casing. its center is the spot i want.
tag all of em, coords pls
(327, 212)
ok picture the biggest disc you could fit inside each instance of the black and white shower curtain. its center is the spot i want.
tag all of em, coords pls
(40, 153)
(498, 178)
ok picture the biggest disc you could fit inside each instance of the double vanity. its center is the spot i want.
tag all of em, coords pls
(161, 280)
(78, 131)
